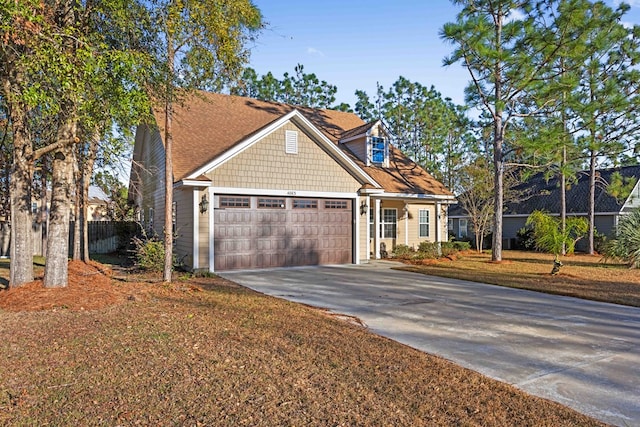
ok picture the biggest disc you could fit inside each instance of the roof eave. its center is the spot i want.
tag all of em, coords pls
(300, 119)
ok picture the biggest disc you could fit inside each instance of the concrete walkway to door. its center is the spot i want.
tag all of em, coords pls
(583, 354)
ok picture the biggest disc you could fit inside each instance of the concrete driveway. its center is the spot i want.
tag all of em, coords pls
(583, 354)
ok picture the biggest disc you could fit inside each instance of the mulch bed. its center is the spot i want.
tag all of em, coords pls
(90, 287)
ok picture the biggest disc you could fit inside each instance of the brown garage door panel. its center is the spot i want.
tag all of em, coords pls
(263, 238)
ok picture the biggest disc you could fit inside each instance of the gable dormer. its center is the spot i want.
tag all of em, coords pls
(370, 143)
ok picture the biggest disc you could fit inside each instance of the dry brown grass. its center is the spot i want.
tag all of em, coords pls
(582, 276)
(209, 352)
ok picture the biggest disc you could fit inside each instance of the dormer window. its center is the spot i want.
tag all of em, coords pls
(370, 143)
(378, 150)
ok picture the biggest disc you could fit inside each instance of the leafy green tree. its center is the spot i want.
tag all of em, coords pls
(506, 58)
(620, 187)
(626, 245)
(431, 130)
(119, 208)
(477, 197)
(606, 102)
(198, 44)
(550, 237)
(59, 57)
(369, 110)
(299, 88)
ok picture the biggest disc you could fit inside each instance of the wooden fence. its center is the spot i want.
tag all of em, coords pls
(104, 236)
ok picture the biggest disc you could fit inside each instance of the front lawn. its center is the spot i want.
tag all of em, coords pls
(582, 276)
(205, 351)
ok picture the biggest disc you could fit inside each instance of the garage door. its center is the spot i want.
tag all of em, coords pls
(263, 232)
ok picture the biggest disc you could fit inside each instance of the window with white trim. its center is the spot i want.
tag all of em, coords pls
(378, 150)
(389, 223)
(291, 142)
(462, 228)
(174, 218)
(423, 222)
(450, 224)
(372, 226)
(150, 219)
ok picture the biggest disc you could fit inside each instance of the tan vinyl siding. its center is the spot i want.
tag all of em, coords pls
(150, 177)
(359, 148)
(363, 256)
(265, 165)
(184, 226)
(203, 232)
(414, 238)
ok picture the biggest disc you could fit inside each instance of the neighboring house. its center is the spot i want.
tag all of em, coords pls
(538, 193)
(98, 208)
(261, 184)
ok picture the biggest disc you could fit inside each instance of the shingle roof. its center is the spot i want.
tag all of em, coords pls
(360, 130)
(538, 193)
(209, 124)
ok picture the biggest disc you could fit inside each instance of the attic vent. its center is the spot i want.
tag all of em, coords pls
(291, 142)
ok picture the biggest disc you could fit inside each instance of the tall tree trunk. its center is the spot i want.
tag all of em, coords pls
(498, 164)
(78, 218)
(21, 267)
(592, 202)
(168, 171)
(563, 196)
(87, 171)
(43, 215)
(56, 269)
(498, 141)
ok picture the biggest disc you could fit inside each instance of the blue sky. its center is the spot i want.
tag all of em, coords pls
(355, 43)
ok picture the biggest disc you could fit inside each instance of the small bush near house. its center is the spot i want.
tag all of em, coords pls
(429, 250)
(149, 253)
(456, 246)
(402, 251)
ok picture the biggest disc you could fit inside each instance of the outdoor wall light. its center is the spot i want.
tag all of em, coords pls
(204, 204)
(363, 208)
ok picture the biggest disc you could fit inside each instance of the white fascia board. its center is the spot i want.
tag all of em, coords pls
(191, 183)
(418, 196)
(370, 191)
(294, 116)
(633, 195)
(283, 193)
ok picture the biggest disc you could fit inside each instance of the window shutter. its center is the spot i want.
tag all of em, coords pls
(291, 142)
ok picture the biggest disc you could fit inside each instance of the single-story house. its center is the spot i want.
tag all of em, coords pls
(262, 184)
(540, 193)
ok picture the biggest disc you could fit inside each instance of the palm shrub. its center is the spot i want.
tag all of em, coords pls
(549, 236)
(626, 245)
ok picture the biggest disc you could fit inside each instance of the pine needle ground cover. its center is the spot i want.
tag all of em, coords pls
(205, 351)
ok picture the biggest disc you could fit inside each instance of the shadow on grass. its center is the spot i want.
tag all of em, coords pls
(598, 262)
(113, 259)
(624, 293)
